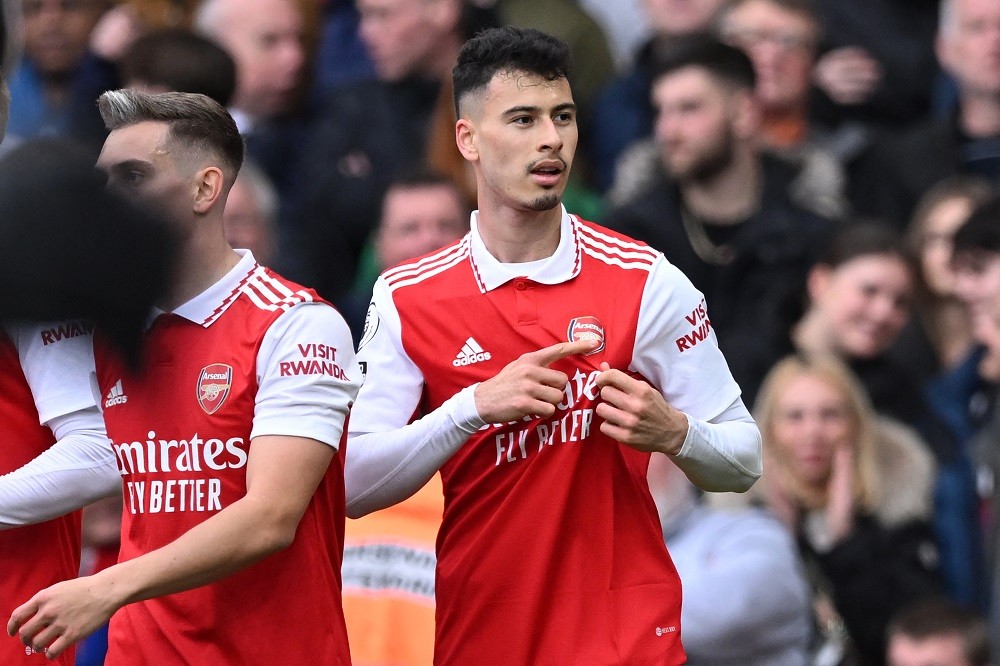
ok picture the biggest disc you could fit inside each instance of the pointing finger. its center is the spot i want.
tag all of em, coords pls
(544, 357)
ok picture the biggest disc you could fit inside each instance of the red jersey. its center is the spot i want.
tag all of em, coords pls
(249, 357)
(550, 551)
(35, 556)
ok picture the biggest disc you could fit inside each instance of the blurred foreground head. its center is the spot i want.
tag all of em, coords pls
(70, 248)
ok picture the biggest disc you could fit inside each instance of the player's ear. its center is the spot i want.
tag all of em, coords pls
(465, 137)
(209, 183)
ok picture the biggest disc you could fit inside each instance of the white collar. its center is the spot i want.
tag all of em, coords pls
(562, 265)
(209, 305)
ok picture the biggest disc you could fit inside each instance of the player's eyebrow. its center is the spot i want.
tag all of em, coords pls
(514, 110)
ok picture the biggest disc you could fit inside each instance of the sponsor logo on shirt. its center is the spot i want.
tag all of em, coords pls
(116, 396)
(72, 329)
(586, 328)
(214, 382)
(371, 326)
(701, 328)
(470, 353)
(317, 359)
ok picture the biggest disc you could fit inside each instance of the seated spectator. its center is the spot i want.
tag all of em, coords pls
(623, 112)
(855, 490)
(940, 347)
(781, 36)
(251, 215)
(177, 59)
(719, 209)
(54, 88)
(420, 213)
(937, 633)
(903, 167)
(746, 600)
(877, 66)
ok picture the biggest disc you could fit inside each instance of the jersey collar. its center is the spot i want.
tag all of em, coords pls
(562, 265)
(209, 305)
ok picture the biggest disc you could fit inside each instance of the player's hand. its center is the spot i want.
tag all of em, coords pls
(636, 414)
(527, 386)
(62, 614)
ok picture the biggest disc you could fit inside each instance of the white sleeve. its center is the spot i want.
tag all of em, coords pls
(676, 349)
(307, 376)
(58, 361)
(78, 469)
(388, 460)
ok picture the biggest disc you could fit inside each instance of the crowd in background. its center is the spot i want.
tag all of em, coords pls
(824, 171)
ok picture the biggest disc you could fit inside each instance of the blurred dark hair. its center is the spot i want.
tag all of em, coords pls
(941, 617)
(179, 60)
(981, 232)
(507, 49)
(723, 62)
(864, 240)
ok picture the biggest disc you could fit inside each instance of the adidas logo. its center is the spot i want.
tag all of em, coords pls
(116, 396)
(471, 353)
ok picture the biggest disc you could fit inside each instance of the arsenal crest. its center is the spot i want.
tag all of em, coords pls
(214, 382)
(586, 328)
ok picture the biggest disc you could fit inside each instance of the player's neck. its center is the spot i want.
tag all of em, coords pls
(517, 236)
(204, 260)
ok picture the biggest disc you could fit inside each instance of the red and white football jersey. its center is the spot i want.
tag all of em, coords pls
(48, 378)
(254, 355)
(550, 551)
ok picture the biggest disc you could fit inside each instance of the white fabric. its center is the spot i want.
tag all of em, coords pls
(389, 460)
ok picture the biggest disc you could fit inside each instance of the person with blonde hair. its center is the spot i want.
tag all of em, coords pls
(856, 491)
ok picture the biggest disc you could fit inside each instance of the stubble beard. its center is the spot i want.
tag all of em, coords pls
(714, 161)
(545, 202)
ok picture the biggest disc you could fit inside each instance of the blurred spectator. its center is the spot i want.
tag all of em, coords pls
(904, 167)
(624, 25)
(420, 213)
(54, 87)
(373, 131)
(939, 347)
(341, 57)
(251, 214)
(178, 60)
(976, 259)
(746, 600)
(623, 112)
(937, 633)
(719, 209)
(389, 568)
(877, 66)
(117, 29)
(102, 525)
(856, 491)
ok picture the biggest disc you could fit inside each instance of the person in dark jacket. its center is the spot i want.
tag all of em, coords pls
(719, 208)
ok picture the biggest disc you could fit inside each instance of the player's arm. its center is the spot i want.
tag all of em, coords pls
(297, 427)
(78, 469)
(692, 411)
(389, 459)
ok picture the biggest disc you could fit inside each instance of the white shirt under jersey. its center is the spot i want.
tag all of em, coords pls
(388, 460)
(313, 406)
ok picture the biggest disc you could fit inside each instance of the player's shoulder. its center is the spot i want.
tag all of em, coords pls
(612, 247)
(433, 266)
(266, 291)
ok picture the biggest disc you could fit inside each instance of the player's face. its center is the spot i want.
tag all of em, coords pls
(522, 138)
(945, 650)
(695, 124)
(140, 165)
(418, 220)
(936, 234)
(780, 43)
(811, 419)
(865, 303)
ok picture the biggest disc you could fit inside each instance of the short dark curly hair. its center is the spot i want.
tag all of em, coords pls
(507, 49)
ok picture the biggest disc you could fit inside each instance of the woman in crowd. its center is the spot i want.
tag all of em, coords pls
(856, 491)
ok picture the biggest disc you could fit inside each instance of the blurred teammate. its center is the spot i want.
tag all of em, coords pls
(547, 357)
(228, 443)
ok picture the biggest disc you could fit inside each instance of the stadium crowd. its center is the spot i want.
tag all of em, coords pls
(825, 172)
